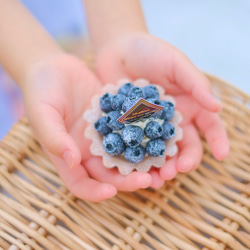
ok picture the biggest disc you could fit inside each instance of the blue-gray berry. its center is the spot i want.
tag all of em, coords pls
(117, 101)
(101, 126)
(157, 115)
(128, 103)
(155, 101)
(132, 135)
(105, 102)
(153, 130)
(168, 110)
(113, 144)
(150, 91)
(112, 120)
(125, 88)
(168, 131)
(135, 92)
(155, 147)
(135, 155)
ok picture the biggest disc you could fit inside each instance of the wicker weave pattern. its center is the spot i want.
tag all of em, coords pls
(206, 209)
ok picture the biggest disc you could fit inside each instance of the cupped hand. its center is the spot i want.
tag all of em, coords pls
(143, 56)
(56, 94)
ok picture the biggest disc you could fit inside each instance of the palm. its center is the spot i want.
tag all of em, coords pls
(143, 56)
(61, 92)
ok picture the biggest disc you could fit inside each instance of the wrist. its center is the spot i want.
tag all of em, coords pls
(110, 19)
(38, 66)
(119, 44)
(43, 72)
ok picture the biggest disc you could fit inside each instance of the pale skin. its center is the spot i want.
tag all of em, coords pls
(56, 90)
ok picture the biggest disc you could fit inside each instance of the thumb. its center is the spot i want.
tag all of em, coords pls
(49, 128)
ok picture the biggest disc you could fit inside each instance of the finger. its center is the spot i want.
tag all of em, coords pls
(111, 71)
(160, 62)
(52, 134)
(79, 183)
(157, 181)
(168, 170)
(212, 127)
(130, 182)
(192, 81)
(190, 150)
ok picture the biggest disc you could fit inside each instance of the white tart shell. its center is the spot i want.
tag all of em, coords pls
(125, 167)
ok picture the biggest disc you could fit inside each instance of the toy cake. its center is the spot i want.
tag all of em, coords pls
(133, 126)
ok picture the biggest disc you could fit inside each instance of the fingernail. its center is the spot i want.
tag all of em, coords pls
(68, 158)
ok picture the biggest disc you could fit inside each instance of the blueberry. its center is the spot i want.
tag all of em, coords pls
(153, 130)
(154, 101)
(128, 103)
(168, 131)
(155, 147)
(150, 91)
(132, 135)
(135, 92)
(164, 103)
(117, 101)
(135, 155)
(101, 126)
(113, 144)
(112, 120)
(168, 110)
(105, 102)
(157, 115)
(125, 88)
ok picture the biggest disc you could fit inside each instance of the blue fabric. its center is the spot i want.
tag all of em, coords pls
(59, 17)
(6, 117)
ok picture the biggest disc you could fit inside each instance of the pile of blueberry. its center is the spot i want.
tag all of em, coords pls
(120, 138)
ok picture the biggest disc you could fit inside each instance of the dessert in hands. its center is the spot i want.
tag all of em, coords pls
(133, 126)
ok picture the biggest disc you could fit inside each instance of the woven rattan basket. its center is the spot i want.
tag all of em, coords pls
(205, 209)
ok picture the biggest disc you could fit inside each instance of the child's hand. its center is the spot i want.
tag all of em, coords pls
(144, 56)
(57, 89)
(56, 94)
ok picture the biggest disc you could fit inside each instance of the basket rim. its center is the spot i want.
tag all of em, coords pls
(205, 208)
(218, 79)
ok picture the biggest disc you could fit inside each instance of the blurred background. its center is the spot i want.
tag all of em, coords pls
(215, 35)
